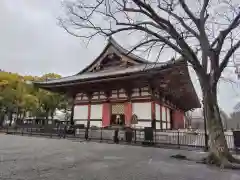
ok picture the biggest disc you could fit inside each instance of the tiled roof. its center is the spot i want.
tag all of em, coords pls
(106, 73)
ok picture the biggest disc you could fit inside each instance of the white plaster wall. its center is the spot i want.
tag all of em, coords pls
(145, 93)
(80, 112)
(168, 114)
(168, 118)
(157, 111)
(184, 120)
(82, 122)
(143, 124)
(168, 125)
(96, 111)
(158, 125)
(164, 125)
(142, 110)
(96, 123)
(163, 113)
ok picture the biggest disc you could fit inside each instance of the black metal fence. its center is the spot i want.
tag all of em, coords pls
(148, 136)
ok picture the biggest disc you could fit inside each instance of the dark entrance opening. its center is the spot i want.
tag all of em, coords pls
(118, 119)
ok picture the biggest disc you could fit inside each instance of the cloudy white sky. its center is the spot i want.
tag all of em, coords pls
(32, 43)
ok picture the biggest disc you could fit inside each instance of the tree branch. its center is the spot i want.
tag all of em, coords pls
(168, 27)
(226, 59)
(203, 10)
(181, 20)
(173, 31)
(223, 34)
(145, 29)
(142, 43)
(189, 12)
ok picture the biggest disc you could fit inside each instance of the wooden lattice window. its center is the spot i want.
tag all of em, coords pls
(118, 109)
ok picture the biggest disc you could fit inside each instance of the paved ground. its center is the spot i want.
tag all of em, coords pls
(31, 158)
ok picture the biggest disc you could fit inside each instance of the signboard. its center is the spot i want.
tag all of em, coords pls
(134, 119)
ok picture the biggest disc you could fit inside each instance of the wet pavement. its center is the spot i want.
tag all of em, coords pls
(32, 158)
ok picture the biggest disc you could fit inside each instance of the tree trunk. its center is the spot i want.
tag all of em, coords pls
(72, 115)
(18, 113)
(218, 150)
(1, 119)
(10, 118)
(24, 115)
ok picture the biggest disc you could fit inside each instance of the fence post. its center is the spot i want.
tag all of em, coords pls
(155, 137)
(64, 132)
(135, 136)
(101, 135)
(31, 131)
(51, 132)
(22, 131)
(74, 131)
(86, 134)
(178, 139)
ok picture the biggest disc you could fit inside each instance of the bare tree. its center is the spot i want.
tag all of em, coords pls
(204, 32)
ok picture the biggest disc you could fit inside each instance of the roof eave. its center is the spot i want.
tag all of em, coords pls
(168, 66)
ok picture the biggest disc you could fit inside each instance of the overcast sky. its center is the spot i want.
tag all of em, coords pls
(32, 43)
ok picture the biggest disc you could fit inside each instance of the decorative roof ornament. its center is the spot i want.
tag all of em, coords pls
(111, 55)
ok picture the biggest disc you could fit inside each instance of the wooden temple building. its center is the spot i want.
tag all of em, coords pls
(119, 84)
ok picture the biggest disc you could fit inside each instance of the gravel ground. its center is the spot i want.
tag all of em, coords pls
(31, 158)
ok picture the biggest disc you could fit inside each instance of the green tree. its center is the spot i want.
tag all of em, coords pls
(18, 96)
(49, 101)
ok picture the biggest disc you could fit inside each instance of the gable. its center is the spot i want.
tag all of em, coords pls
(113, 56)
(111, 60)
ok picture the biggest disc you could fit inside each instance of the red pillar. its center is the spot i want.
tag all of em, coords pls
(178, 119)
(128, 113)
(106, 115)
